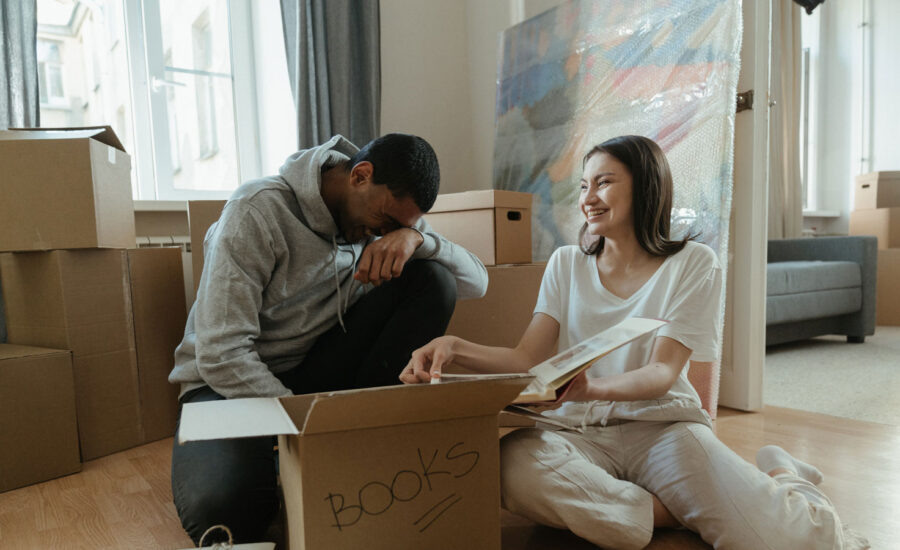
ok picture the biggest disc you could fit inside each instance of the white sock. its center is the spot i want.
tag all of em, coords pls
(772, 457)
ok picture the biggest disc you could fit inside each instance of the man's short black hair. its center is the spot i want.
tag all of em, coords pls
(406, 164)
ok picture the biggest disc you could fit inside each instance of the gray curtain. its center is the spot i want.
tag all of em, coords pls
(334, 65)
(18, 64)
(18, 77)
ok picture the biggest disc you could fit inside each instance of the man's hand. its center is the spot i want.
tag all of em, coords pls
(384, 258)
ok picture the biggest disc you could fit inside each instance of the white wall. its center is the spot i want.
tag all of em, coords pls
(425, 83)
(439, 78)
(839, 116)
(885, 85)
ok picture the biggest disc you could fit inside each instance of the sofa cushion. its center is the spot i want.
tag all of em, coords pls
(812, 305)
(785, 278)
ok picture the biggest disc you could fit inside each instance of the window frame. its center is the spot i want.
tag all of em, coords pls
(150, 104)
(44, 72)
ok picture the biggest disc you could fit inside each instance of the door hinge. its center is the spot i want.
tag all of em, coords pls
(744, 101)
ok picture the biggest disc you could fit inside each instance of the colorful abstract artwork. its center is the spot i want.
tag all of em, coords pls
(590, 70)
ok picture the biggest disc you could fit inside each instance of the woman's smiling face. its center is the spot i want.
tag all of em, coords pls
(605, 199)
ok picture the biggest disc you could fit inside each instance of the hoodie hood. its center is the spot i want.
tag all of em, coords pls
(302, 171)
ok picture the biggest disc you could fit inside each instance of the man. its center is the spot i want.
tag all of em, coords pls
(322, 278)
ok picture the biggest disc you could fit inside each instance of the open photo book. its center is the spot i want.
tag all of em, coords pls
(552, 377)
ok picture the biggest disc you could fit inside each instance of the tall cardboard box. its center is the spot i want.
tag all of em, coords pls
(201, 215)
(65, 188)
(887, 301)
(380, 468)
(494, 225)
(80, 300)
(122, 314)
(38, 432)
(876, 190)
(883, 223)
(500, 317)
(157, 297)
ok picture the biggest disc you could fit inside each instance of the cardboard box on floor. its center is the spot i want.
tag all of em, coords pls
(380, 468)
(493, 225)
(65, 188)
(201, 215)
(876, 190)
(502, 315)
(38, 433)
(883, 223)
(887, 302)
(157, 299)
(121, 312)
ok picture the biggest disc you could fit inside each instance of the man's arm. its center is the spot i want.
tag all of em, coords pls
(471, 275)
(237, 265)
(384, 258)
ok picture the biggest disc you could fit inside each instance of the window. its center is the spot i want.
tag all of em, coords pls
(50, 79)
(172, 112)
(206, 100)
(809, 40)
(175, 80)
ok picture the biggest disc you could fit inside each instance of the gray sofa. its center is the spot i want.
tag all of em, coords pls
(821, 285)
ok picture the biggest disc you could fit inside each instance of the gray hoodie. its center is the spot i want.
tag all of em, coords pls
(277, 274)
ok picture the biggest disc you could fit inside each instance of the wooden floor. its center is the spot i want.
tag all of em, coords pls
(124, 500)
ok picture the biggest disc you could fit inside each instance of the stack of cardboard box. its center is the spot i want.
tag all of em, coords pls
(877, 212)
(496, 227)
(73, 280)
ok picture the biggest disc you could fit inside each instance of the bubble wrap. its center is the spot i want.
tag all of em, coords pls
(590, 70)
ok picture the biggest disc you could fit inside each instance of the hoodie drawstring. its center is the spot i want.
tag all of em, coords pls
(337, 282)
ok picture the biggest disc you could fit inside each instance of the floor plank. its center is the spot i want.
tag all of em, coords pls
(125, 501)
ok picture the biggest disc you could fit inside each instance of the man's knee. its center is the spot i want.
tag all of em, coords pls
(228, 482)
(435, 281)
(245, 509)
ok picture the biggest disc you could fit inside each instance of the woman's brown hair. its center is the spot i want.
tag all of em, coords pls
(651, 194)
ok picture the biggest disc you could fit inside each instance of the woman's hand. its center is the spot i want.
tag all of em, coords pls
(580, 389)
(428, 361)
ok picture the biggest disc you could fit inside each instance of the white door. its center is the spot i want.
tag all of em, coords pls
(743, 355)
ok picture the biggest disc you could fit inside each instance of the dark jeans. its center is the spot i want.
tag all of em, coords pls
(233, 482)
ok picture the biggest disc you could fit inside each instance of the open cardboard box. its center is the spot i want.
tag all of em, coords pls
(65, 188)
(392, 467)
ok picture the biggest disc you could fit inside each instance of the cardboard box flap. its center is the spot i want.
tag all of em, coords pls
(15, 351)
(473, 200)
(234, 418)
(389, 406)
(103, 134)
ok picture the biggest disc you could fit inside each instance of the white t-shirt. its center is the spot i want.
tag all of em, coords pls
(686, 291)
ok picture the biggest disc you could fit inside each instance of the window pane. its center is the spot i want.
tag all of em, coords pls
(83, 74)
(195, 37)
(205, 132)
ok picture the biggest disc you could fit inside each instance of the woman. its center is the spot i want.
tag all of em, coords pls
(639, 453)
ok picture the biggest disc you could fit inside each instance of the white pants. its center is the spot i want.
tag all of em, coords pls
(600, 484)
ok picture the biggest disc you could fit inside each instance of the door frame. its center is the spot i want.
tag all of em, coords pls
(743, 355)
